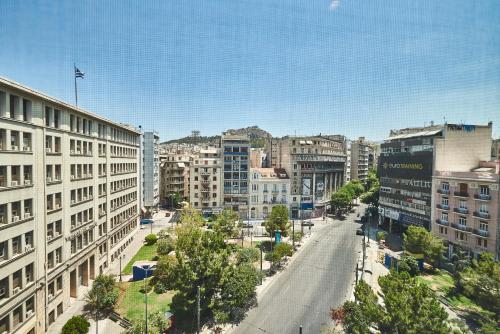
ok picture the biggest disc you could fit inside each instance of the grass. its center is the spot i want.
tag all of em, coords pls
(131, 300)
(441, 282)
(145, 253)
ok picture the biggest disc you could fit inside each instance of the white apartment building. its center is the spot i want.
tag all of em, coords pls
(174, 176)
(268, 187)
(205, 180)
(68, 203)
(150, 171)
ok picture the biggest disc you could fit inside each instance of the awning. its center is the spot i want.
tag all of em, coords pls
(143, 209)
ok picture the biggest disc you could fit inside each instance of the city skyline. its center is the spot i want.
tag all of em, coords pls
(300, 67)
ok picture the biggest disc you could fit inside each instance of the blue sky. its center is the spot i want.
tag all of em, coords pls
(292, 66)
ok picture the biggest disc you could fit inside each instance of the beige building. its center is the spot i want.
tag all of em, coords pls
(466, 210)
(362, 158)
(68, 203)
(205, 179)
(174, 176)
(268, 187)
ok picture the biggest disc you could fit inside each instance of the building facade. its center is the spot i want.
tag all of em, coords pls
(268, 187)
(68, 203)
(174, 177)
(235, 154)
(205, 175)
(150, 171)
(466, 209)
(408, 160)
(362, 158)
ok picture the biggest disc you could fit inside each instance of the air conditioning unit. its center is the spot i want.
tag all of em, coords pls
(84, 198)
(27, 248)
(58, 234)
(27, 215)
(78, 152)
(16, 290)
(72, 152)
(2, 291)
(15, 219)
(50, 296)
(57, 205)
(14, 183)
(48, 149)
(73, 201)
(27, 182)
(49, 179)
(14, 148)
(49, 237)
(72, 177)
(26, 148)
(29, 313)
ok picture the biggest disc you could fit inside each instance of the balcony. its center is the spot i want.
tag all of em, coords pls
(481, 233)
(461, 227)
(462, 194)
(443, 207)
(443, 191)
(442, 222)
(461, 210)
(482, 197)
(483, 215)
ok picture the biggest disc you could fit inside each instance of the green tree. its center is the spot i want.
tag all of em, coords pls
(279, 252)
(227, 223)
(418, 240)
(372, 189)
(340, 202)
(103, 295)
(278, 220)
(408, 264)
(165, 245)
(150, 239)
(355, 187)
(247, 255)
(157, 323)
(191, 216)
(76, 325)
(174, 199)
(164, 275)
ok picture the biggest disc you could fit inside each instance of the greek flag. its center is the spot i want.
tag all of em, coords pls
(78, 73)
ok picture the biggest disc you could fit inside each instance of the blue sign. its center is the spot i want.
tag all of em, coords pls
(278, 237)
(146, 221)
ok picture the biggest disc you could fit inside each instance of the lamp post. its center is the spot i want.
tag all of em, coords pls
(293, 233)
(145, 298)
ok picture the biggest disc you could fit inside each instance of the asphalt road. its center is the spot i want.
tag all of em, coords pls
(319, 278)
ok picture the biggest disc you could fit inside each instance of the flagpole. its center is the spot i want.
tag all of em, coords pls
(76, 92)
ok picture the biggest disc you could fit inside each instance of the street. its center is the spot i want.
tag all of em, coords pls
(319, 278)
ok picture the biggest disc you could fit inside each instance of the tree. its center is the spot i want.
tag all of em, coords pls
(165, 245)
(278, 220)
(279, 252)
(340, 202)
(76, 325)
(247, 255)
(103, 295)
(372, 189)
(408, 307)
(193, 216)
(164, 275)
(150, 239)
(408, 264)
(157, 323)
(227, 223)
(355, 187)
(418, 240)
(175, 199)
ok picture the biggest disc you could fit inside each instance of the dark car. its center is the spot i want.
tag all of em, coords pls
(246, 225)
(307, 223)
(359, 232)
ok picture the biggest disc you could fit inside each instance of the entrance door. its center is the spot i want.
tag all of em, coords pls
(72, 284)
(92, 267)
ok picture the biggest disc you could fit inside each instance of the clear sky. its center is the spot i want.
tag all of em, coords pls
(291, 66)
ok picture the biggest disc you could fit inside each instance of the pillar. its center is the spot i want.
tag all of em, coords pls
(313, 188)
(7, 141)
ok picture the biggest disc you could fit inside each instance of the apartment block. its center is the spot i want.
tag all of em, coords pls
(150, 171)
(174, 176)
(362, 158)
(205, 179)
(236, 154)
(466, 209)
(68, 203)
(408, 160)
(268, 187)
(316, 167)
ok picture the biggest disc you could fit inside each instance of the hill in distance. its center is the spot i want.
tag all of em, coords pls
(257, 137)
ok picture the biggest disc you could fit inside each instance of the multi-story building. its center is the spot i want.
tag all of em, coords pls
(268, 187)
(174, 176)
(316, 167)
(408, 159)
(150, 171)
(466, 209)
(362, 158)
(236, 154)
(258, 158)
(68, 203)
(495, 149)
(205, 175)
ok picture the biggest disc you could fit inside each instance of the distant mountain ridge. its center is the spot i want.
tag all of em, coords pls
(257, 137)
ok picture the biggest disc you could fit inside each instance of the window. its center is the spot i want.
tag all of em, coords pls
(462, 221)
(483, 208)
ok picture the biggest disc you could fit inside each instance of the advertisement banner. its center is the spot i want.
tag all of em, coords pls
(416, 165)
(306, 186)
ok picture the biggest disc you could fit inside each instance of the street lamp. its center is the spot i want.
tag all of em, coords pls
(146, 297)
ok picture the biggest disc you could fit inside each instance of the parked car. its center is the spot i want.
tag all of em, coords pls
(307, 223)
(359, 231)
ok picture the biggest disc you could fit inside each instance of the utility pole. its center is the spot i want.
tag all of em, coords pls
(242, 237)
(357, 268)
(198, 309)
(146, 302)
(300, 329)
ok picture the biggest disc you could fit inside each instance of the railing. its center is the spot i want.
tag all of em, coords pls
(461, 210)
(461, 194)
(484, 215)
(482, 233)
(442, 222)
(443, 206)
(443, 191)
(461, 227)
(483, 197)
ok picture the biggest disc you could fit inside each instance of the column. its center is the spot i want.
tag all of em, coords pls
(330, 181)
(7, 139)
(8, 216)
(21, 178)
(313, 188)
(335, 182)
(8, 177)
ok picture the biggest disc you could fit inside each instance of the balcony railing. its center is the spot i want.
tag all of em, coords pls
(442, 222)
(443, 206)
(443, 191)
(484, 215)
(461, 210)
(482, 197)
(461, 194)
(481, 233)
(461, 227)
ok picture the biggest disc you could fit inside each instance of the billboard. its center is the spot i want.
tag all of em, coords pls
(306, 186)
(405, 165)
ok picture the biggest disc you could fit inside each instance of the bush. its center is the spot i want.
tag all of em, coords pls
(381, 235)
(76, 325)
(151, 239)
(247, 255)
(165, 245)
(279, 252)
(409, 264)
(298, 236)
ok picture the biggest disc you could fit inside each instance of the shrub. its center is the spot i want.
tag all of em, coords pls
(76, 325)
(165, 245)
(381, 235)
(151, 239)
(409, 264)
(279, 252)
(298, 236)
(247, 255)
